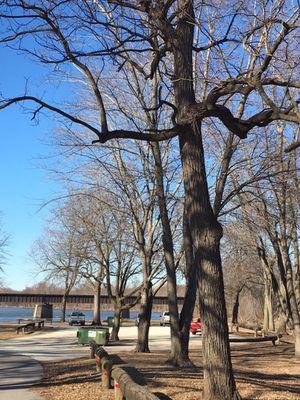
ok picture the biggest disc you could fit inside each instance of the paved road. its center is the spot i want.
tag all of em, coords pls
(20, 358)
(61, 344)
(17, 374)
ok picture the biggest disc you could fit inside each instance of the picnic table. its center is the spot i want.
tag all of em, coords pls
(29, 324)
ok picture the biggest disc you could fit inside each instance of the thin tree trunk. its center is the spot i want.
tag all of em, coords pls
(142, 345)
(188, 307)
(283, 289)
(282, 310)
(292, 296)
(268, 304)
(296, 267)
(114, 336)
(63, 308)
(206, 232)
(235, 308)
(176, 356)
(97, 305)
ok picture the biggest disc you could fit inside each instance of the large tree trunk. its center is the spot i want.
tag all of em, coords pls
(177, 357)
(142, 345)
(97, 305)
(114, 336)
(206, 232)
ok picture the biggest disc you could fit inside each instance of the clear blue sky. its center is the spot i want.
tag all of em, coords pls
(24, 186)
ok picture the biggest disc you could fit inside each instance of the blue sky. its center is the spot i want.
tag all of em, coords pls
(24, 185)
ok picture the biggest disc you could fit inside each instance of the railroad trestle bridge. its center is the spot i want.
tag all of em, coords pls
(82, 301)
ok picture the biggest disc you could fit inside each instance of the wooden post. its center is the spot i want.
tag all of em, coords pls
(92, 353)
(106, 367)
(118, 393)
(98, 363)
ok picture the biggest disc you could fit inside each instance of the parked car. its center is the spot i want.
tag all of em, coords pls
(164, 318)
(77, 318)
(195, 326)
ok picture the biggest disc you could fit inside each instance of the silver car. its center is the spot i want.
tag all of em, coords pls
(77, 318)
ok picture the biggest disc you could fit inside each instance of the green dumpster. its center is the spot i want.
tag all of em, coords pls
(99, 334)
(110, 321)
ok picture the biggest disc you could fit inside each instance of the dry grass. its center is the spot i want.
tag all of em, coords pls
(7, 333)
(263, 372)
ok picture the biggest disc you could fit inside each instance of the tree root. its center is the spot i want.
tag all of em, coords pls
(141, 351)
(181, 363)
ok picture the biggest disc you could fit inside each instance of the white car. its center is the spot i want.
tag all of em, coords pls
(77, 318)
(165, 318)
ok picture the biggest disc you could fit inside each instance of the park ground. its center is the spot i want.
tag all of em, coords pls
(263, 372)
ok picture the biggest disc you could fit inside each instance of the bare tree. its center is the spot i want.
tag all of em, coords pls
(268, 34)
(121, 266)
(272, 218)
(59, 256)
(242, 271)
(84, 214)
(4, 241)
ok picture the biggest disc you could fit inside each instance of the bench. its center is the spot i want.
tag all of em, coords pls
(273, 339)
(40, 322)
(25, 327)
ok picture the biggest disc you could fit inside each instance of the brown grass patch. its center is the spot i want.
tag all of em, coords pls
(7, 333)
(262, 372)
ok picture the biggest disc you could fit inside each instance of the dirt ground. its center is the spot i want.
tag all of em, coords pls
(263, 372)
(7, 333)
(10, 332)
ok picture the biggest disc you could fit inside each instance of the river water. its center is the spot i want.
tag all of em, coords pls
(12, 314)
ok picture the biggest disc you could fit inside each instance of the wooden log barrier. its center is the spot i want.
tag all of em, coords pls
(103, 364)
(273, 339)
(126, 388)
(118, 393)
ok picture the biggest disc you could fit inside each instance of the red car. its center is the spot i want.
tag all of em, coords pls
(195, 326)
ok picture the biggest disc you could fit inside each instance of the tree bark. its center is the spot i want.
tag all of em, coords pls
(177, 357)
(268, 304)
(235, 308)
(114, 336)
(63, 308)
(142, 345)
(97, 305)
(292, 296)
(188, 307)
(280, 301)
(297, 268)
(206, 232)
